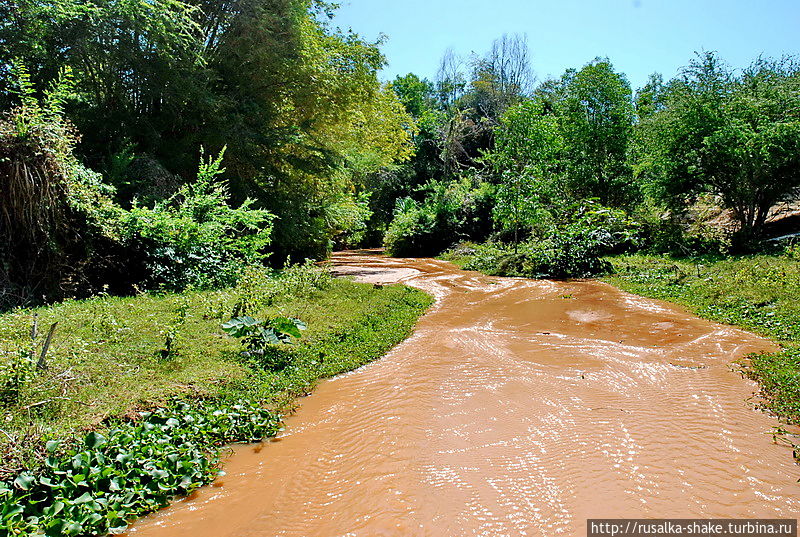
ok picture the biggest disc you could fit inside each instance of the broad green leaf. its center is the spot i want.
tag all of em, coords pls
(83, 498)
(25, 481)
(94, 440)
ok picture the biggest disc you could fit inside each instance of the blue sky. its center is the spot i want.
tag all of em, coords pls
(639, 36)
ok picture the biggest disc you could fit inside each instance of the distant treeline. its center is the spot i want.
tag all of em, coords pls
(110, 104)
(581, 165)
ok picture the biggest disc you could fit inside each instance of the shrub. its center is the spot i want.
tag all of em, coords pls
(574, 249)
(195, 238)
(562, 255)
(301, 279)
(411, 231)
(450, 212)
(258, 287)
(62, 235)
(53, 237)
(260, 337)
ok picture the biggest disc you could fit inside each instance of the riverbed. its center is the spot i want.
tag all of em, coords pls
(518, 408)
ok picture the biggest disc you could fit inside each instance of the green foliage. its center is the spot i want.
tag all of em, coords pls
(779, 377)
(572, 249)
(565, 254)
(547, 155)
(16, 371)
(260, 336)
(157, 81)
(93, 377)
(259, 287)
(527, 157)
(411, 229)
(451, 211)
(53, 237)
(418, 96)
(64, 236)
(136, 467)
(302, 279)
(597, 122)
(736, 136)
(196, 238)
(106, 359)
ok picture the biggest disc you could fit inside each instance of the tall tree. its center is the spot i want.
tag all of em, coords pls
(297, 102)
(597, 122)
(502, 77)
(527, 156)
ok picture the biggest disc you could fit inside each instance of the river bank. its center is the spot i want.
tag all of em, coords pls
(150, 371)
(760, 293)
(519, 407)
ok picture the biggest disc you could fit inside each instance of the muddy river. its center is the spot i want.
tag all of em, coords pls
(518, 407)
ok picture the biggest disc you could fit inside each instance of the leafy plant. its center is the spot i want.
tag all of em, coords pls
(733, 134)
(95, 486)
(301, 279)
(196, 238)
(260, 336)
(452, 210)
(51, 231)
(16, 371)
(258, 287)
(171, 332)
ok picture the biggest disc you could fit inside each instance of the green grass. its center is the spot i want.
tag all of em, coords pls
(760, 293)
(104, 360)
(108, 363)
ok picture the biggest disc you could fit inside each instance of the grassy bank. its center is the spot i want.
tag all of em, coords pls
(138, 393)
(759, 293)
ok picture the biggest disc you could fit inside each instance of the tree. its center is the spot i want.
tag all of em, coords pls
(502, 77)
(451, 81)
(735, 136)
(138, 65)
(527, 157)
(650, 98)
(597, 121)
(297, 102)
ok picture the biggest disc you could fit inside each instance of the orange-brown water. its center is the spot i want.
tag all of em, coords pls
(518, 407)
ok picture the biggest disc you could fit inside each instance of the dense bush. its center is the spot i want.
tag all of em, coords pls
(563, 255)
(195, 238)
(54, 241)
(571, 250)
(62, 235)
(305, 122)
(451, 211)
(732, 133)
